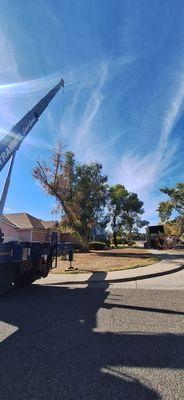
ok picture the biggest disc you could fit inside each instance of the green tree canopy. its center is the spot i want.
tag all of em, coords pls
(117, 198)
(132, 214)
(173, 228)
(125, 209)
(175, 203)
(79, 189)
(165, 210)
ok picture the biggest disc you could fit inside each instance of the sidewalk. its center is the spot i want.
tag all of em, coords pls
(169, 265)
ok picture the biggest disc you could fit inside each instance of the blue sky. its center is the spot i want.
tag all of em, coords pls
(123, 64)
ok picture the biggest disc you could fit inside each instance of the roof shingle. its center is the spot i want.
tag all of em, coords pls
(25, 221)
(50, 224)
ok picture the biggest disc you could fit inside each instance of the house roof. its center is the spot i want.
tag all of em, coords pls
(24, 221)
(50, 224)
(7, 221)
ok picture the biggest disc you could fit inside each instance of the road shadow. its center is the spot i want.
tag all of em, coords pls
(170, 256)
(58, 351)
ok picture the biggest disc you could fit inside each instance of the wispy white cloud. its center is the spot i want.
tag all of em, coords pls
(52, 126)
(8, 62)
(142, 173)
(88, 85)
(172, 114)
(8, 71)
(93, 105)
(22, 88)
(79, 117)
(38, 144)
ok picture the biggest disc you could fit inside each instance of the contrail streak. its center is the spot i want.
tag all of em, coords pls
(28, 87)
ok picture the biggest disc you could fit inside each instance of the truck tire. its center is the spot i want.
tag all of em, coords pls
(5, 278)
(22, 281)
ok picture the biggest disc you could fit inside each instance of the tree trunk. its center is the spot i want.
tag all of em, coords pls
(130, 234)
(85, 243)
(115, 238)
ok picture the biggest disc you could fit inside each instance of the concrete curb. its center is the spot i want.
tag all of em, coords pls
(92, 278)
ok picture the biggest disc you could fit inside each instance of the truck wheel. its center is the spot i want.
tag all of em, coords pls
(5, 279)
(5, 286)
(22, 281)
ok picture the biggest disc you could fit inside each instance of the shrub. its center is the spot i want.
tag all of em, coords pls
(77, 247)
(119, 240)
(131, 243)
(125, 241)
(97, 246)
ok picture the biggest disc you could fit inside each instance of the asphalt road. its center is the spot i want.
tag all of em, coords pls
(91, 343)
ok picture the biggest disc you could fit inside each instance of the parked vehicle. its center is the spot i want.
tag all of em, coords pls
(21, 263)
(156, 238)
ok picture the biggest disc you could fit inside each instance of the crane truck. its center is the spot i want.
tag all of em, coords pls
(21, 263)
(156, 238)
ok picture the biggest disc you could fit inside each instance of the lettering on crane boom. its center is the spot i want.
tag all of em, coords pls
(10, 143)
(17, 138)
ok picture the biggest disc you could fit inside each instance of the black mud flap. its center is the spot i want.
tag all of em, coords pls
(23, 280)
(5, 278)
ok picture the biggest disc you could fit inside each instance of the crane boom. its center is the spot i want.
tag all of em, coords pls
(10, 143)
(22, 262)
